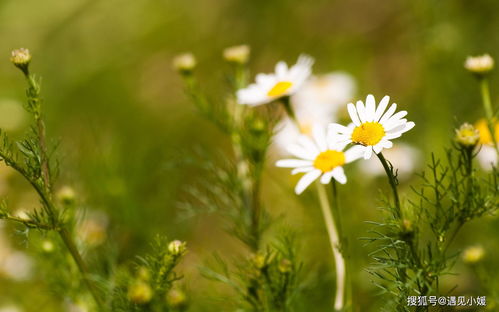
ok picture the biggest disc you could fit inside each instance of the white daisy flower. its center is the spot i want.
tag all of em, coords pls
(487, 155)
(284, 82)
(320, 157)
(316, 103)
(372, 128)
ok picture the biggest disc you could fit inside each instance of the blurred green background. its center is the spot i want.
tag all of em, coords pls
(128, 134)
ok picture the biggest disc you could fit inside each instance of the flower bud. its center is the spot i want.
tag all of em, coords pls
(480, 65)
(21, 58)
(47, 246)
(473, 254)
(143, 274)
(66, 195)
(259, 261)
(285, 266)
(176, 247)
(184, 63)
(237, 54)
(467, 135)
(176, 298)
(139, 292)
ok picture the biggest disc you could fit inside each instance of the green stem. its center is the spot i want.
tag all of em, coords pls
(489, 112)
(393, 184)
(334, 240)
(46, 192)
(286, 103)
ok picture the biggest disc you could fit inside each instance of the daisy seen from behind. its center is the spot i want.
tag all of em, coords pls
(285, 81)
(372, 127)
(319, 157)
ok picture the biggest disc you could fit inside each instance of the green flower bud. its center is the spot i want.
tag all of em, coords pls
(467, 135)
(21, 59)
(285, 266)
(176, 298)
(176, 247)
(480, 65)
(139, 292)
(237, 54)
(184, 63)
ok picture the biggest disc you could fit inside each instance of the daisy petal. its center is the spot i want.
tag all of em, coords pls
(326, 177)
(353, 114)
(302, 170)
(361, 111)
(388, 113)
(293, 163)
(381, 107)
(320, 137)
(368, 152)
(370, 107)
(300, 152)
(308, 144)
(395, 117)
(354, 153)
(378, 148)
(306, 180)
(339, 175)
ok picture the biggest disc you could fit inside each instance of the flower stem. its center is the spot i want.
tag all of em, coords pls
(489, 112)
(393, 184)
(334, 240)
(46, 193)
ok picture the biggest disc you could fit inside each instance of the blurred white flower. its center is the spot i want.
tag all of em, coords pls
(17, 266)
(372, 128)
(480, 64)
(320, 157)
(237, 54)
(93, 229)
(10, 308)
(284, 82)
(487, 155)
(405, 159)
(316, 103)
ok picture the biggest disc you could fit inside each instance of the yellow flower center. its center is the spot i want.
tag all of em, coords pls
(280, 88)
(368, 133)
(328, 160)
(483, 129)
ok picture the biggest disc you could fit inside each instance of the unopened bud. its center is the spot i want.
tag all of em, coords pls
(481, 64)
(176, 247)
(66, 195)
(285, 266)
(184, 63)
(237, 54)
(144, 274)
(47, 246)
(176, 298)
(259, 261)
(473, 254)
(139, 292)
(467, 135)
(21, 58)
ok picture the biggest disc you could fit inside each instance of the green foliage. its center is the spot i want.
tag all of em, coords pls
(153, 285)
(266, 281)
(413, 250)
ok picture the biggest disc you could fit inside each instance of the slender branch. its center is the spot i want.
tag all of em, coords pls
(27, 222)
(393, 184)
(334, 240)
